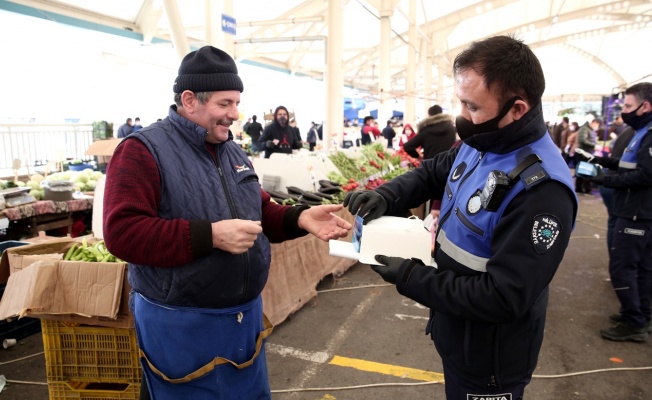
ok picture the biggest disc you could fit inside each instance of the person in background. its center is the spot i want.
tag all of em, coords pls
(436, 134)
(587, 140)
(246, 125)
(196, 234)
(368, 129)
(507, 214)
(571, 145)
(125, 129)
(557, 132)
(253, 130)
(563, 136)
(630, 264)
(295, 129)
(388, 133)
(311, 138)
(618, 126)
(137, 125)
(279, 137)
(407, 134)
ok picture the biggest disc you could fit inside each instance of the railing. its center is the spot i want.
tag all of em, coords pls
(36, 144)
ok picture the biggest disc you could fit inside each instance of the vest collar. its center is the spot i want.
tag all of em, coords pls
(526, 130)
(191, 131)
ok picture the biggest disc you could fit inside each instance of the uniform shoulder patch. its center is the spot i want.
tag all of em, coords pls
(545, 230)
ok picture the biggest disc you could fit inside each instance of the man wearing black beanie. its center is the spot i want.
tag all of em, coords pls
(279, 137)
(184, 207)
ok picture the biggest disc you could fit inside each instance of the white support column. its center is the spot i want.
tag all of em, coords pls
(410, 86)
(179, 38)
(213, 23)
(441, 70)
(384, 82)
(334, 74)
(427, 76)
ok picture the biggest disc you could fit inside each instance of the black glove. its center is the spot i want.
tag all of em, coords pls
(390, 266)
(366, 203)
(269, 144)
(598, 179)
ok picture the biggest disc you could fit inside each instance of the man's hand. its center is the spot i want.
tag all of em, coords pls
(584, 155)
(235, 236)
(321, 222)
(390, 266)
(366, 203)
(598, 179)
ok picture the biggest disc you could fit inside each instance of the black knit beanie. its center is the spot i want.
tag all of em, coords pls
(207, 70)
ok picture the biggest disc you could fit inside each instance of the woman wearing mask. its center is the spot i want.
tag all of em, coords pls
(408, 133)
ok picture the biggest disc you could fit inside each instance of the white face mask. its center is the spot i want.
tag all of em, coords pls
(408, 132)
(572, 129)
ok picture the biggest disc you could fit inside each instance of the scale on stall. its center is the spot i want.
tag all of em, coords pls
(17, 196)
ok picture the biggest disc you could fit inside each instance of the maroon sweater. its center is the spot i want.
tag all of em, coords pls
(134, 232)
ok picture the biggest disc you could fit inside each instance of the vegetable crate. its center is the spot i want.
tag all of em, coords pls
(93, 391)
(90, 354)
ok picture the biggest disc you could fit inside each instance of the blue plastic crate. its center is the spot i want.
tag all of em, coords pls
(19, 328)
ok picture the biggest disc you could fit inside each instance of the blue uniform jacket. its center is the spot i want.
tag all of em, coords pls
(488, 296)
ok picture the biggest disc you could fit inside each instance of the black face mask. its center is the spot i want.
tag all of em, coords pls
(635, 121)
(282, 121)
(466, 128)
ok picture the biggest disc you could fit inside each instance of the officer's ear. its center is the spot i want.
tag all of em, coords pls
(519, 109)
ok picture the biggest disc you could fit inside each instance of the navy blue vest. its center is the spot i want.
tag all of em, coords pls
(466, 227)
(194, 186)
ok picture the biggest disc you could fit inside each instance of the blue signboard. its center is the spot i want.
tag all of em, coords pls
(228, 24)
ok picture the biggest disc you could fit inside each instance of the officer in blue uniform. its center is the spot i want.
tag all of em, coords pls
(507, 213)
(630, 255)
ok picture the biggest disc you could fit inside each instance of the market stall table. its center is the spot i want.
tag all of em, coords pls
(27, 220)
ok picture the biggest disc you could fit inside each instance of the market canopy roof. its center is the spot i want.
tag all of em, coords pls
(586, 47)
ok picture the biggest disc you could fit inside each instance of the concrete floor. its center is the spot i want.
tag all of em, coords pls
(373, 335)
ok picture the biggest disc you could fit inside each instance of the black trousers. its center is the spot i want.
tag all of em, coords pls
(457, 389)
(630, 269)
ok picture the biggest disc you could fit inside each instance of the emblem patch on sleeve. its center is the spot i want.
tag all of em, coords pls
(545, 230)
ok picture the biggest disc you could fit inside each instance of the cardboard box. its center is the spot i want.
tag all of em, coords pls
(103, 147)
(88, 293)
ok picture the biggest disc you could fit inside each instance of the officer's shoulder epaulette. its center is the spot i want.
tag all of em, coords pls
(533, 175)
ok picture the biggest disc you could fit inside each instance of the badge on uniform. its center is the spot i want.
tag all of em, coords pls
(545, 230)
(504, 396)
(457, 173)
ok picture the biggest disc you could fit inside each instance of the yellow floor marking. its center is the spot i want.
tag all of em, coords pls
(387, 369)
(328, 397)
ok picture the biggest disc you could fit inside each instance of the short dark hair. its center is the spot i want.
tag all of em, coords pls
(507, 64)
(367, 119)
(434, 110)
(642, 91)
(254, 118)
(565, 119)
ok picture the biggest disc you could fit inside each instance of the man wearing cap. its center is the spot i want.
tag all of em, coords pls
(184, 207)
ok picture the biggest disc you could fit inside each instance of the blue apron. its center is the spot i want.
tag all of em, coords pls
(198, 353)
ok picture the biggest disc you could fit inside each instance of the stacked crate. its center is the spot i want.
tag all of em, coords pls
(91, 362)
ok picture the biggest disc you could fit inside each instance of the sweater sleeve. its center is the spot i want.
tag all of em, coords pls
(280, 223)
(131, 200)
